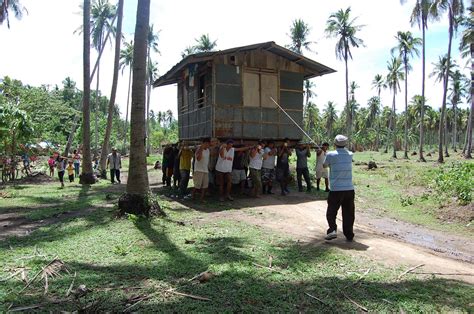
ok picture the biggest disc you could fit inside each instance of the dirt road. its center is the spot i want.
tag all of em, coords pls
(303, 218)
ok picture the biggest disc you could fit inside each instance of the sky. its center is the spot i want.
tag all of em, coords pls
(42, 48)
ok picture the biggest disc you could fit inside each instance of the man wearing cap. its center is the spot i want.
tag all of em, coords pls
(341, 192)
(114, 160)
(302, 153)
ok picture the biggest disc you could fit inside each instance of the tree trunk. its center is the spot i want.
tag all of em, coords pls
(406, 107)
(137, 198)
(348, 109)
(96, 112)
(87, 176)
(148, 94)
(445, 90)
(110, 115)
(422, 113)
(468, 153)
(446, 136)
(394, 126)
(71, 135)
(125, 136)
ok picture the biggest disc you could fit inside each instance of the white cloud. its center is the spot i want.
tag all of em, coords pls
(42, 49)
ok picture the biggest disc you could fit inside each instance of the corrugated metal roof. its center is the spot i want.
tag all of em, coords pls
(312, 68)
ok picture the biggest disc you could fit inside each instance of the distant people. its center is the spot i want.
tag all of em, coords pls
(302, 153)
(61, 167)
(114, 163)
(322, 172)
(201, 170)
(51, 165)
(70, 170)
(26, 163)
(283, 167)
(164, 164)
(255, 167)
(176, 167)
(224, 169)
(238, 171)
(268, 167)
(341, 192)
(77, 162)
(185, 156)
(213, 156)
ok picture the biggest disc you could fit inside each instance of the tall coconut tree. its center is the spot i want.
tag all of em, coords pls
(407, 46)
(137, 199)
(455, 9)
(340, 25)
(457, 92)
(378, 83)
(205, 44)
(372, 118)
(352, 107)
(126, 60)
(152, 46)
(7, 6)
(299, 33)
(110, 115)
(87, 176)
(102, 15)
(394, 76)
(152, 75)
(330, 118)
(440, 69)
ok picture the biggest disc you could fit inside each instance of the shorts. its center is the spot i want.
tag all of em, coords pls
(238, 176)
(200, 179)
(322, 173)
(268, 175)
(283, 174)
(223, 177)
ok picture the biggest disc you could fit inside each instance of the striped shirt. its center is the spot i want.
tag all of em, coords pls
(340, 165)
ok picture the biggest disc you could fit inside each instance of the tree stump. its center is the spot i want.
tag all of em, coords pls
(87, 178)
(141, 205)
(372, 165)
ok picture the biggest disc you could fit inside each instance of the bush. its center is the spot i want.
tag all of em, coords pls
(456, 180)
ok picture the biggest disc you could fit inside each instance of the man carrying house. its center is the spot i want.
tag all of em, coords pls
(114, 161)
(255, 166)
(341, 193)
(283, 167)
(185, 155)
(201, 170)
(268, 167)
(302, 154)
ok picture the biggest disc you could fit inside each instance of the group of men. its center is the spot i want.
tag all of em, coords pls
(259, 167)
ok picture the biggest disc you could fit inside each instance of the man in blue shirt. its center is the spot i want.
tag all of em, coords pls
(341, 189)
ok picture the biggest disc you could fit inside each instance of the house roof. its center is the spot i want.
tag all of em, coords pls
(312, 68)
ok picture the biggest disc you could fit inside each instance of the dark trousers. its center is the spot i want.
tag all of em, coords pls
(71, 178)
(183, 183)
(305, 173)
(344, 199)
(61, 176)
(114, 173)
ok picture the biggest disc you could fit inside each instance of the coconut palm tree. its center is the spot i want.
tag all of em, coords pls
(352, 107)
(341, 26)
(455, 9)
(152, 75)
(407, 46)
(372, 118)
(330, 118)
(87, 176)
(379, 83)
(126, 60)
(205, 44)
(152, 45)
(299, 32)
(7, 6)
(457, 92)
(136, 200)
(110, 115)
(439, 72)
(394, 76)
(189, 50)
(420, 16)
(102, 15)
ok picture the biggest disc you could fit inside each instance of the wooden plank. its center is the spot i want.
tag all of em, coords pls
(251, 89)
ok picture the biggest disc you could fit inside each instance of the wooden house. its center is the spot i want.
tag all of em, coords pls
(226, 94)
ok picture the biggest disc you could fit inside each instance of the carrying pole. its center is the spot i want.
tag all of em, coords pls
(289, 117)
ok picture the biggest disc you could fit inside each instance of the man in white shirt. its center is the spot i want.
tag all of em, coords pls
(268, 167)
(224, 168)
(201, 168)
(114, 161)
(255, 166)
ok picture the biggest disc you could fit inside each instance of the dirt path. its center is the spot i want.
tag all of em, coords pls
(302, 218)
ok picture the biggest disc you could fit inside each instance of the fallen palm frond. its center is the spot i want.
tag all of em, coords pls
(51, 270)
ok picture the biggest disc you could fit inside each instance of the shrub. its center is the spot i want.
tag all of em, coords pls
(456, 180)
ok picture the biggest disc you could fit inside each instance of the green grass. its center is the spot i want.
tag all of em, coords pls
(119, 258)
